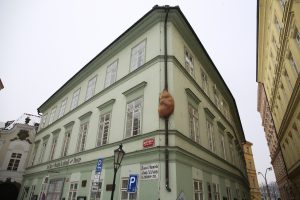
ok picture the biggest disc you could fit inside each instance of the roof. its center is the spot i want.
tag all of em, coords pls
(154, 9)
(21, 120)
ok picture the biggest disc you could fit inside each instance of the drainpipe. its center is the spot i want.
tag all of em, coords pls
(166, 88)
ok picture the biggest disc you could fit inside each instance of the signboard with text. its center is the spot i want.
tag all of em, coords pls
(149, 171)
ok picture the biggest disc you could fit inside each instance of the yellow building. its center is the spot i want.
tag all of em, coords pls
(251, 171)
(278, 66)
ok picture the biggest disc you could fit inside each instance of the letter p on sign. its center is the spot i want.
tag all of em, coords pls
(132, 183)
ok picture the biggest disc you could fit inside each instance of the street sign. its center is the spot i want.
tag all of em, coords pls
(99, 165)
(132, 183)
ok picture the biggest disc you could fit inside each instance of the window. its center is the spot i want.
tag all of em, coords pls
(134, 117)
(111, 74)
(43, 150)
(228, 193)
(44, 120)
(278, 27)
(104, 125)
(216, 191)
(231, 151)
(138, 55)
(32, 192)
(210, 136)
(294, 65)
(297, 37)
(217, 98)
(73, 191)
(194, 123)
(52, 115)
(209, 191)
(75, 99)
(198, 190)
(96, 190)
(55, 188)
(282, 3)
(62, 108)
(82, 136)
(34, 153)
(189, 66)
(66, 143)
(223, 150)
(204, 82)
(53, 146)
(124, 194)
(14, 162)
(91, 88)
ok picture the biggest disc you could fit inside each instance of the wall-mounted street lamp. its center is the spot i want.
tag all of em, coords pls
(118, 157)
(265, 177)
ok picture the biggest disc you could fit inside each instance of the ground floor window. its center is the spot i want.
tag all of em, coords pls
(198, 190)
(96, 190)
(55, 189)
(124, 194)
(73, 191)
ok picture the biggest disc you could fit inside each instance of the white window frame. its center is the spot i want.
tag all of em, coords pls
(111, 74)
(228, 193)
(297, 37)
(52, 116)
(194, 123)
(82, 136)
(44, 120)
(223, 147)
(210, 135)
(43, 150)
(62, 108)
(96, 195)
(135, 109)
(294, 65)
(73, 190)
(53, 147)
(216, 191)
(130, 196)
(32, 189)
(198, 189)
(14, 162)
(75, 99)
(103, 129)
(34, 154)
(66, 142)
(138, 55)
(90, 91)
(189, 62)
(205, 82)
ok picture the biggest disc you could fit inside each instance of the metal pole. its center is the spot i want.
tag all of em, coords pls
(268, 191)
(113, 186)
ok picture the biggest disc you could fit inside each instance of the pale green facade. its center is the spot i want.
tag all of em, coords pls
(189, 160)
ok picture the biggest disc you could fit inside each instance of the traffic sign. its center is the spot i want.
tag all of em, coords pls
(99, 165)
(132, 183)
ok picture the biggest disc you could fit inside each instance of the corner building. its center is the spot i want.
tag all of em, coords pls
(114, 99)
(278, 67)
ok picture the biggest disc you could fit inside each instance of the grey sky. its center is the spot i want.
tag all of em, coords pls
(44, 43)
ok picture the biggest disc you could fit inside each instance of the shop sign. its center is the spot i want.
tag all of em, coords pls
(63, 163)
(149, 171)
(150, 142)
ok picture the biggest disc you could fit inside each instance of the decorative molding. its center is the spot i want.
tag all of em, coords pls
(209, 113)
(106, 104)
(190, 93)
(220, 125)
(135, 88)
(85, 115)
(56, 131)
(71, 123)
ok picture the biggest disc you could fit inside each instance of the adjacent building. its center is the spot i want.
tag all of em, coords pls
(278, 62)
(16, 138)
(251, 171)
(196, 152)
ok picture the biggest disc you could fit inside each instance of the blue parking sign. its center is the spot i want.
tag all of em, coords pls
(132, 183)
(99, 165)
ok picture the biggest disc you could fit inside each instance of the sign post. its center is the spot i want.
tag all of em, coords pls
(132, 183)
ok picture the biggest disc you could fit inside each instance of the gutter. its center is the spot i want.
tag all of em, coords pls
(167, 8)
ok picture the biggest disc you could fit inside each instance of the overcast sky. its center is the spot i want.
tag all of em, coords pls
(44, 43)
